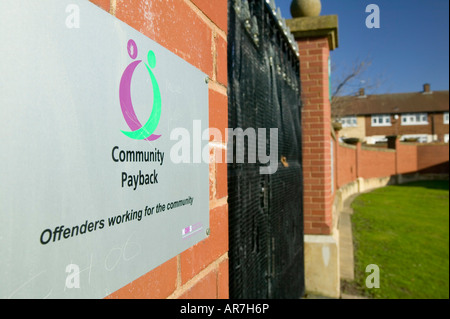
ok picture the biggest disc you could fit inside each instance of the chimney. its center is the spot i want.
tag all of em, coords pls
(362, 92)
(426, 88)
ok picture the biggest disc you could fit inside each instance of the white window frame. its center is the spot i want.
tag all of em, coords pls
(414, 119)
(349, 121)
(445, 117)
(381, 120)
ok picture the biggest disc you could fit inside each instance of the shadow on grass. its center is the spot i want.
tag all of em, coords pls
(437, 184)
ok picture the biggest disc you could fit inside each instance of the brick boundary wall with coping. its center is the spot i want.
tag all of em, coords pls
(399, 159)
(195, 30)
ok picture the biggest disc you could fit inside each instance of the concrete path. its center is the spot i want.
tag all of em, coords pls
(346, 241)
(346, 253)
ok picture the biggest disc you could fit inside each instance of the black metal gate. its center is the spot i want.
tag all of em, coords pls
(265, 211)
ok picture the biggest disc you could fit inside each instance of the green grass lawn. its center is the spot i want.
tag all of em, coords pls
(404, 230)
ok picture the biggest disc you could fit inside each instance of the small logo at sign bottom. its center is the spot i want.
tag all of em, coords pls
(191, 230)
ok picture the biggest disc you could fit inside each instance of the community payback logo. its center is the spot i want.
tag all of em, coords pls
(187, 149)
(139, 131)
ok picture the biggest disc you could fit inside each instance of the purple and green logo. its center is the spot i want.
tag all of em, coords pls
(139, 131)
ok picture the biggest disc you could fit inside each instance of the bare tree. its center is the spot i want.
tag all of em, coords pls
(349, 82)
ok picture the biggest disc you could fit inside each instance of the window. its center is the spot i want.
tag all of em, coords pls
(446, 118)
(415, 119)
(381, 120)
(348, 121)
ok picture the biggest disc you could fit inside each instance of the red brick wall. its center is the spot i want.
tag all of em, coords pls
(354, 162)
(316, 123)
(346, 165)
(407, 161)
(433, 158)
(195, 30)
(376, 163)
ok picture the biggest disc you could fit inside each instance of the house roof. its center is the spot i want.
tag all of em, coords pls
(398, 103)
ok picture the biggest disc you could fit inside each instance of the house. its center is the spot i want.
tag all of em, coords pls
(418, 116)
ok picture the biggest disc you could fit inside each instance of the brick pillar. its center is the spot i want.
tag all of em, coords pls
(337, 128)
(394, 143)
(358, 160)
(315, 38)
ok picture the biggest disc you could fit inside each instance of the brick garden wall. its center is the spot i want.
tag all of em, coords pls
(407, 158)
(433, 159)
(375, 163)
(195, 30)
(357, 161)
(346, 164)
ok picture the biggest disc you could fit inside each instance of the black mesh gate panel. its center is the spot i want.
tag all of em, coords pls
(265, 210)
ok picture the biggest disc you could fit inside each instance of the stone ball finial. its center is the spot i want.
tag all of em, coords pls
(305, 8)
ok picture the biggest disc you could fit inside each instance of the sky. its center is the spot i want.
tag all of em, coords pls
(410, 48)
